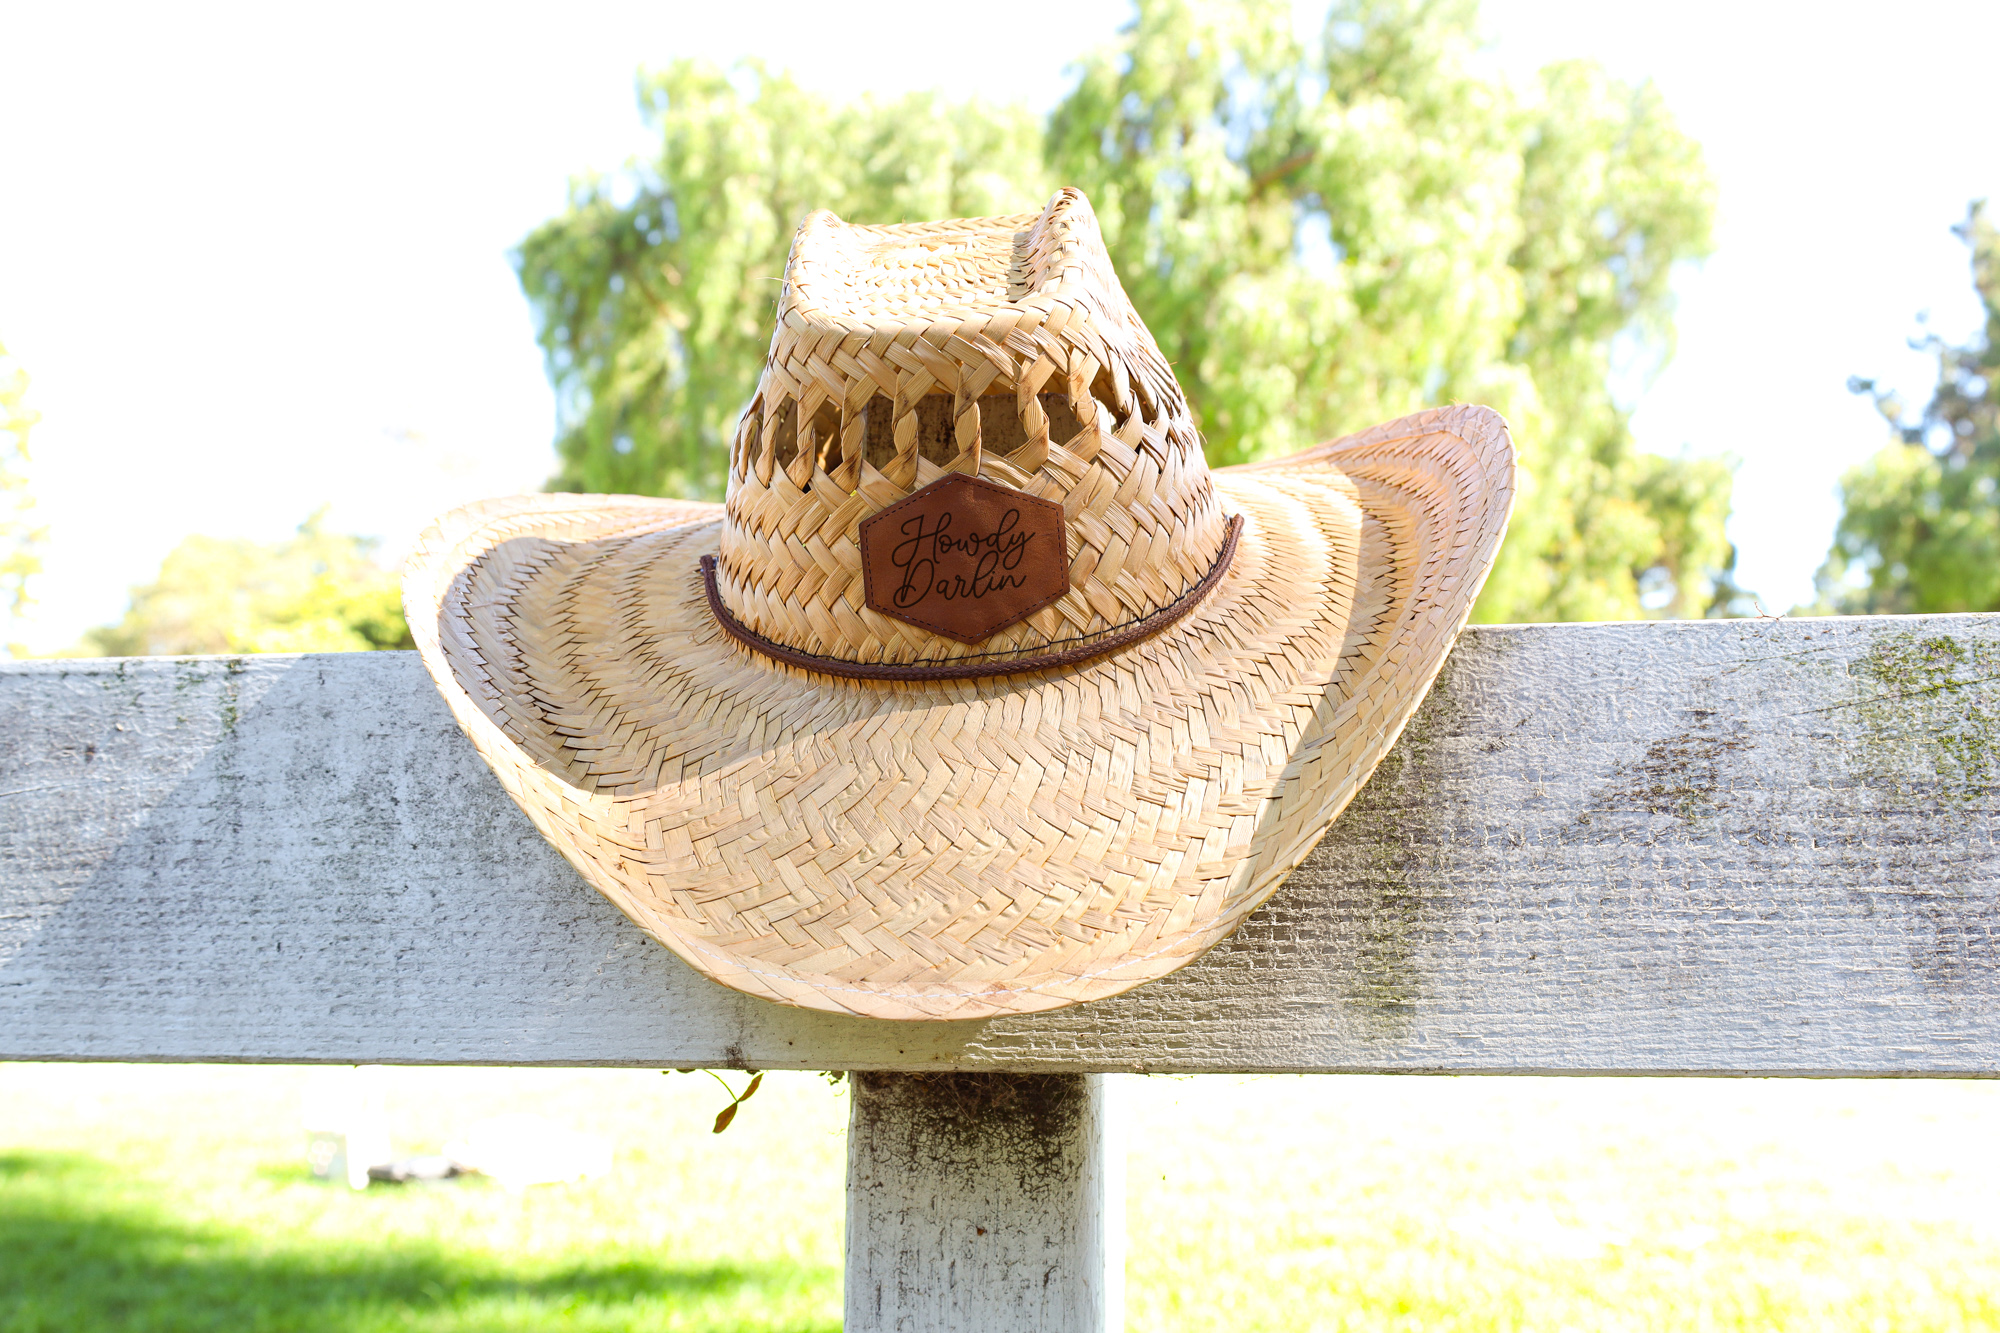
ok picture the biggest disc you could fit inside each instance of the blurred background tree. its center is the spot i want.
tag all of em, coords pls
(20, 541)
(653, 292)
(316, 592)
(1919, 527)
(1321, 236)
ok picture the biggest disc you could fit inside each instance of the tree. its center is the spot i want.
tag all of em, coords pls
(1320, 235)
(317, 592)
(20, 541)
(1325, 237)
(653, 291)
(1919, 528)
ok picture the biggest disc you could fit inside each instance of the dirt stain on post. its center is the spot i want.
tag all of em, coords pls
(1684, 775)
(1381, 852)
(973, 1118)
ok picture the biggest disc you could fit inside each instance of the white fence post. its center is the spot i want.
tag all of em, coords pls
(989, 1202)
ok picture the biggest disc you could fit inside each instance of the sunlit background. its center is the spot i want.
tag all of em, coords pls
(256, 259)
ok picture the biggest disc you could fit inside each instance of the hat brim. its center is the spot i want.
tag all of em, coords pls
(959, 849)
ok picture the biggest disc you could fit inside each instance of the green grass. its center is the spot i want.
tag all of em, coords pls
(169, 1198)
(1462, 1204)
(178, 1198)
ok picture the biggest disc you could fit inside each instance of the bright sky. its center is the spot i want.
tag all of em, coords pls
(255, 258)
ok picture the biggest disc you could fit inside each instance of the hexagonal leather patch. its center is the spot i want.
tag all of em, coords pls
(965, 558)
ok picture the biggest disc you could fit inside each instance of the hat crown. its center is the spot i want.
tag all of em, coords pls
(999, 348)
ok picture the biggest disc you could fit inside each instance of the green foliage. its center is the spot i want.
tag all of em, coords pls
(1919, 528)
(1613, 196)
(653, 292)
(1323, 238)
(1320, 235)
(317, 592)
(20, 541)
(1317, 240)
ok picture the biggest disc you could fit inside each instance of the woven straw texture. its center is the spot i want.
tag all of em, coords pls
(1002, 348)
(961, 849)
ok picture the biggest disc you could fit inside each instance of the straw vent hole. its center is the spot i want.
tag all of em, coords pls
(1001, 430)
(1106, 394)
(749, 434)
(826, 435)
(937, 429)
(1148, 408)
(1064, 425)
(878, 432)
(787, 445)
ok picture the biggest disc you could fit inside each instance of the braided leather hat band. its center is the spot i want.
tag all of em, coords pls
(970, 668)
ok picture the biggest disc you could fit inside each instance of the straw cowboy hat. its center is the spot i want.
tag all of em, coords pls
(981, 694)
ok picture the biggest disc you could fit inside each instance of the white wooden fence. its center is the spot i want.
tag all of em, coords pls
(1758, 847)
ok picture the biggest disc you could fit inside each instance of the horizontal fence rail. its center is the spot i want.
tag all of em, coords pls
(1744, 846)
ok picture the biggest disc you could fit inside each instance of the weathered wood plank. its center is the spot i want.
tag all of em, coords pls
(985, 1201)
(1737, 846)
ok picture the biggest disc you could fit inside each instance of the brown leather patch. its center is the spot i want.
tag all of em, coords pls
(965, 558)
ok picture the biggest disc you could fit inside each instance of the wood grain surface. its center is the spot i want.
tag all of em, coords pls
(1744, 846)
(985, 1201)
